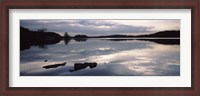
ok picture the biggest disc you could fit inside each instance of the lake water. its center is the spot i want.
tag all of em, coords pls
(108, 58)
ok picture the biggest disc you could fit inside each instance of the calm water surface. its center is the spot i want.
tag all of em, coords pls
(113, 58)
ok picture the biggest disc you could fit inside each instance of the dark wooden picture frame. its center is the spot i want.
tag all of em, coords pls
(100, 4)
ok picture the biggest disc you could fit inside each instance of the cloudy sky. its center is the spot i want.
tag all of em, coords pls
(101, 27)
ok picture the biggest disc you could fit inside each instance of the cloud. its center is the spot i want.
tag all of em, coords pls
(88, 27)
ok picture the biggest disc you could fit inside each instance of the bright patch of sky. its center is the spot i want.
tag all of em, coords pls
(102, 27)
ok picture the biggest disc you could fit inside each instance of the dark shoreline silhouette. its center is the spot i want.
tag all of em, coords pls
(161, 34)
(158, 41)
(37, 38)
(163, 41)
(42, 39)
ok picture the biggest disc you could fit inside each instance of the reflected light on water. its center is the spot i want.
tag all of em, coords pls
(127, 58)
(141, 60)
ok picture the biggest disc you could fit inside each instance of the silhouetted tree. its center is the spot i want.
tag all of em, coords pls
(66, 35)
(67, 38)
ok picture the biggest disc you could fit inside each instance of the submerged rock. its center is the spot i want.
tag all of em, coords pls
(79, 66)
(54, 65)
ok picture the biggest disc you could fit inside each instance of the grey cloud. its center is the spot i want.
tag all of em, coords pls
(96, 23)
(88, 27)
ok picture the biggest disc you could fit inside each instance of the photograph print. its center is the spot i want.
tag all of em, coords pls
(100, 47)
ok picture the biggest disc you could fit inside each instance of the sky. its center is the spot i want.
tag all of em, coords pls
(97, 27)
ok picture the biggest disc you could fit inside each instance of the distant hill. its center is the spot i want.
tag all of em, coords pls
(161, 34)
(172, 33)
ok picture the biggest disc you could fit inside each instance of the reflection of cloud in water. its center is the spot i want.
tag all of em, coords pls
(104, 49)
(143, 55)
(34, 66)
(143, 60)
(113, 58)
